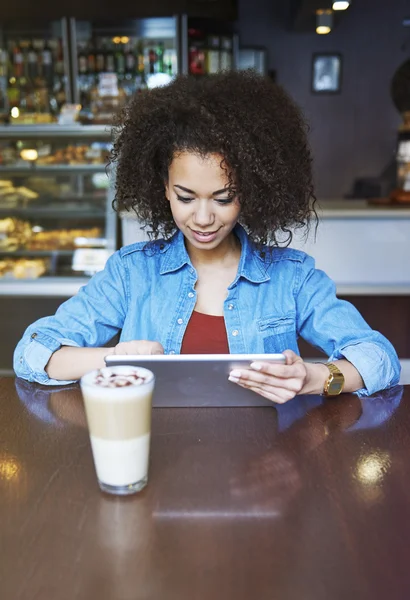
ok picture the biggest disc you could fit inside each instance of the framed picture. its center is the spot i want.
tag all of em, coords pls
(326, 73)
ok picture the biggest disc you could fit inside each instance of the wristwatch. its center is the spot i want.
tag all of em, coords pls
(335, 382)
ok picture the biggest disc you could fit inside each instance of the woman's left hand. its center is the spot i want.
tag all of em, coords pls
(277, 382)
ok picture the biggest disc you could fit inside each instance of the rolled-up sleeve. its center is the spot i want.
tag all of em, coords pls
(336, 327)
(91, 318)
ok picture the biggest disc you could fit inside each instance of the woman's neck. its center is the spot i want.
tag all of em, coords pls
(225, 254)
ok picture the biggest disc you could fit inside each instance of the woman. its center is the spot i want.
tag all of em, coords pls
(220, 167)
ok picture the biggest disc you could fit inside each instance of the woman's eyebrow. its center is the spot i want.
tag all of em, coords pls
(223, 191)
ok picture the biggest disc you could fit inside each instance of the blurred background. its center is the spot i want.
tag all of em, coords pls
(66, 67)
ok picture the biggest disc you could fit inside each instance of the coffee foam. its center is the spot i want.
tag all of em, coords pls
(119, 380)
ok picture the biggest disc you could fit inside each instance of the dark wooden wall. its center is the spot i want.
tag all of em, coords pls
(353, 134)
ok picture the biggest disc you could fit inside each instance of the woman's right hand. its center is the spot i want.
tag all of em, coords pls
(138, 347)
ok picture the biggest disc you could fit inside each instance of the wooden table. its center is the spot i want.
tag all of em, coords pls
(307, 502)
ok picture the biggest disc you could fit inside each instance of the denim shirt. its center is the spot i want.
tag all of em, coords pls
(147, 291)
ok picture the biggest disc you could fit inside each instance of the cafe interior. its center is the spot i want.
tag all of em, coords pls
(305, 500)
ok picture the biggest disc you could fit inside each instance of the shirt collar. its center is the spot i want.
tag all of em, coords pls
(251, 263)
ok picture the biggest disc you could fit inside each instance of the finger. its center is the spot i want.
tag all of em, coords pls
(292, 357)
(249, 377)
(272, 369)
(282, 393)
(157, 348)
(278, 399)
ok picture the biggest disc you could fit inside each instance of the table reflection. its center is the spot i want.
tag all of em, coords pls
(221, 476)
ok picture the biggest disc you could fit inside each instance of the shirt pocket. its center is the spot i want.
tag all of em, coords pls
(278, 333)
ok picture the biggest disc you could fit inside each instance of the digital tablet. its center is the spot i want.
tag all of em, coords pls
(197, 379)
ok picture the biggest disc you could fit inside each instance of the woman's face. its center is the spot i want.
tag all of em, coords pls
(202, 206)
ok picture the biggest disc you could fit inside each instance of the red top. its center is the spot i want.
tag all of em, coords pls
(205, 334)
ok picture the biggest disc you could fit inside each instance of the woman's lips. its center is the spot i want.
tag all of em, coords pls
(204, 237)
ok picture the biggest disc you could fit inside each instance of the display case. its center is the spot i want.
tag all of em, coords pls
(34, 70)
(211, 46)
(57, 224)
(112, 60)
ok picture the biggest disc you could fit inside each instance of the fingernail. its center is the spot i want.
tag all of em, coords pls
(256, 366)
(236, 373)
(233, 379)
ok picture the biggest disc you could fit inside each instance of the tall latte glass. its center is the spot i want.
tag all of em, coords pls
(118, 408)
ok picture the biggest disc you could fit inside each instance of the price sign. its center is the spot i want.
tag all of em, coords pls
(89, 260)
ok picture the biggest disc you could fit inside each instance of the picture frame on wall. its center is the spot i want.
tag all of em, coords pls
(326, 73)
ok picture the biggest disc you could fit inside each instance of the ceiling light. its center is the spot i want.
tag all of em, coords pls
(324, 21)
(341, 4)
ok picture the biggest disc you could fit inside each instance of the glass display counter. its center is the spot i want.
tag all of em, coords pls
(57, 225)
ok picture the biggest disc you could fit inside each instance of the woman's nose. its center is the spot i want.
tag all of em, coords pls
(203, 216)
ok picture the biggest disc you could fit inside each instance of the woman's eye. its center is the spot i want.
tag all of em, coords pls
(184, 198)
(225, 200)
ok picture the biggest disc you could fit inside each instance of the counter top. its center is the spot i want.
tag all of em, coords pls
(307, 500)
(359, 209)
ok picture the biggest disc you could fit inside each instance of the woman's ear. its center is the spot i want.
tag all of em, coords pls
(167, 191)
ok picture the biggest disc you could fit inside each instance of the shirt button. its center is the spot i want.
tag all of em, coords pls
(235, 332)
(180, 321)
(191, 295)
(33, 335)
(230, 306)
(172, 351)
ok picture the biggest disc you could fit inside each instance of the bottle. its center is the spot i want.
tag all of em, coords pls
(99, 57)
(130, 62)
(47, 64)
(4, 105)
(32, 64)
(120, 61)
(82, 60)
(160, 58)
(91, 62)
(168, 66)
(18, 67)
(152, 61)
(141, 61)
(110, 59)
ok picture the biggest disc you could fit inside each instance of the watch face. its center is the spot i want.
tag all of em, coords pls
(334, 387)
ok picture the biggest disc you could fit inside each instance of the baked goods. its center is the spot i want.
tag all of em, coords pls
(60, 239)
(23, 268)
(14, 233)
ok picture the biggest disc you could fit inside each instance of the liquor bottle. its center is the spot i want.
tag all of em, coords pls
(59, 62)
(32, 64)
(130, 62)
(4, 105)
(213, 54)
(110, 59)
(82, 60)
(18, 67)
(152, 59)
(47, 64)
(91, 61)
(141, 60)
(168, 66)
(99, 56)
(120, 61)
(59, 82)
(226, 54)
(160, 58)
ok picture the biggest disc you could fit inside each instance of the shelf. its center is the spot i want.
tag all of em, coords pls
(58, 287)
(34, 253)
(54, 213)
(37, 253)
(55, 131)
(53, 170)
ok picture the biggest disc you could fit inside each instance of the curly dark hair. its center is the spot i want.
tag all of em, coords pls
(243, 116)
